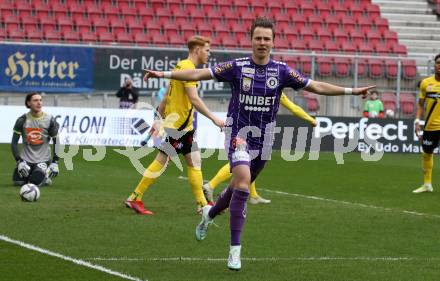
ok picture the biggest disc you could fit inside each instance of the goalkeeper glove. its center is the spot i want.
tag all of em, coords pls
(23, 168)
(53, 170)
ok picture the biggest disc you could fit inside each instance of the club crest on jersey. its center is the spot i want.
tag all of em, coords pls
(272, 82)
(246, 84)
(429, 88)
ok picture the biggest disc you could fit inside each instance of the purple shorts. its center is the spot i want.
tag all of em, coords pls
(240, 153)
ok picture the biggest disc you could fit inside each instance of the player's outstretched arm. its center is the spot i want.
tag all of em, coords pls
(181, 75)
(296, 110)
(202, 108)
(323, 88)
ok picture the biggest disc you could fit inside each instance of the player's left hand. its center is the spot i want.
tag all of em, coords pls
(364, 91)
(152, 74)
(53, 170)
(314, 123)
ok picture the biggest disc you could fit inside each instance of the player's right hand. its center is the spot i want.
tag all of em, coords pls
(152, 74)
(23, 168)
(219, 123)
(314, 123)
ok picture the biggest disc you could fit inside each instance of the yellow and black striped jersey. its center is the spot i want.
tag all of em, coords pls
(430, 92)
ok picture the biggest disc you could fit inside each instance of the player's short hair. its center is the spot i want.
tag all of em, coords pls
(29, 97)
(197, 40)
(436, 57)
(264, 23)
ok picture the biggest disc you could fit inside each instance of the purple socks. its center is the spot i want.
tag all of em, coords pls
(237, 209)
(222, 202)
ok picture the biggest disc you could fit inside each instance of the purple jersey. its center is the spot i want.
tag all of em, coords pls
(256, 91)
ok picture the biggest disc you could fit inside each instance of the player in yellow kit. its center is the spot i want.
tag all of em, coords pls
(178, 110)
(225, 172)
(429, 108)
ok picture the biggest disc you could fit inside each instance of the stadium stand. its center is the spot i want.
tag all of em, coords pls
(345, 27)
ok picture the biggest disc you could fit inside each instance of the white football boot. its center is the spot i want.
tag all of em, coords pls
(202, 228)
(424, 188)
(234, 262)
(258, 200)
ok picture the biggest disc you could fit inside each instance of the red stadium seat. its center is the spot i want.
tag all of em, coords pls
(52, 36)
(342, 66)
(159, 39)
(100, 24)
(16, 34)
(407, 103)
(390, 36)
(123, 37)
(389, 101)
(144, 12)
(391, 68)
(340, 35)
(88, 37)
(29, 21)
(312, 102)
(141, 38)
(291, 61)
(176, 40)
(306, 65)
(307, 33)
(399, 49)
(42, 8)
(228, 42)
(291, 7)
(361, 67)
(325, 66)
(135, 26)
(35, 35)
(298, 45)
(315, 21)
(381, 24)
(47, 23)
(105, 37)
(331, 22)
(331, 46)
(323, 34)
(117, 25)
(282, 44)
(306, 8)
(71, 36)
(127, 10)
(348, 47)
(315, 45)
(375, 67)
(110, 9)
(244, 42)
(374, 36)
(275, 8)
(365, 48)
(381, 49)
(409, 68)
(59, 9)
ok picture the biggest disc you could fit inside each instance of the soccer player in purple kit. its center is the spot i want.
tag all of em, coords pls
(256, 85)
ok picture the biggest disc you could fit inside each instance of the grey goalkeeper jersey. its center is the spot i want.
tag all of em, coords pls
(36, 134)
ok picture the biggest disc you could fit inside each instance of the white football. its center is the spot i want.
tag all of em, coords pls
(389, 113)
(29, 192)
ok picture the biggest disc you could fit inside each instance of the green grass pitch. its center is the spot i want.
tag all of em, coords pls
(356, 221)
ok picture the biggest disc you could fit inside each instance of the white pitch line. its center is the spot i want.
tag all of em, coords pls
(261, 259)
(344, 202)
(70, 259)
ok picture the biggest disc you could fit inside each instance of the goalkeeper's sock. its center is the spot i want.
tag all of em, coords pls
(253, 190)
(222, 202)
(237, 210)
(222, 175)
(195, 179)
(149, 177)
(428, 163)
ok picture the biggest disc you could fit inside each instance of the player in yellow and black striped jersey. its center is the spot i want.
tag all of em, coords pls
(429, 107)
(177, 108)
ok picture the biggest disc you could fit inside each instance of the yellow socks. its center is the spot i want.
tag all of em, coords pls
(150, 176)
(222, 175)
(253, 191)
(428, 163)
(195, 179)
